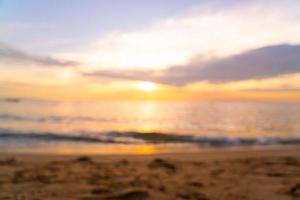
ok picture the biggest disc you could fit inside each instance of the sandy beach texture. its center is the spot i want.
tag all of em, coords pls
(211, 175)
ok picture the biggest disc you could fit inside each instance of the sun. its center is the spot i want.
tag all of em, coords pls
(147, 86)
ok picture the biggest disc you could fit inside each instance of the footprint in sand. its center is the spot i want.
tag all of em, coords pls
(295, 190)
(192, 195)
(160, 163)
(132, 194)
(84, 159)
(8, 161)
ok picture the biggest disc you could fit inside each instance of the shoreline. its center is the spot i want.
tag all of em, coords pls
(147, 150)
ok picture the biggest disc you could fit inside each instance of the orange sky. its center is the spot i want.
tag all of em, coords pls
(198, 51)
(134, 91)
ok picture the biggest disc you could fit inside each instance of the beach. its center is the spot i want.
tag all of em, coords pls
(258, 173)
(149, 100)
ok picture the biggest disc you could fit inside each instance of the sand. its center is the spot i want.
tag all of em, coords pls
(264, 174)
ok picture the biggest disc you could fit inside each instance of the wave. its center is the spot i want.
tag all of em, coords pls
(54, 118)
(147, 138)
(207, 140)
(55, 137)
(11, 100)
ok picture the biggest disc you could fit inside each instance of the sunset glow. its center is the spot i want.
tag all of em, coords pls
(240, 55)
(149, 99)
(147, 86)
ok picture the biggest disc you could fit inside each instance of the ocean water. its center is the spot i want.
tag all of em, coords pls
(144, 126)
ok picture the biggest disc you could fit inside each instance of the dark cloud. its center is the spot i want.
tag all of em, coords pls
(8, 53)
(255, 64)
(259, 63)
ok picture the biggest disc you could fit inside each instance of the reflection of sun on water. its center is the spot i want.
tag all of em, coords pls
(147, 112)
(145, 149)
(147, 86)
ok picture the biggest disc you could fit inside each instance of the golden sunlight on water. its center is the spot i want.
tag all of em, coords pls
(201, 118)
(139, 127)
(148, 112)
(93, 149)
(146, 149)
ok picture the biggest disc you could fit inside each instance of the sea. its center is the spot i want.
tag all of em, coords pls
(144, 127)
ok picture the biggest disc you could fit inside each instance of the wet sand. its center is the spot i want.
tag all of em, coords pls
(216, 175)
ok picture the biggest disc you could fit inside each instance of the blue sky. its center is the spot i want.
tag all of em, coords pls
(69, 23)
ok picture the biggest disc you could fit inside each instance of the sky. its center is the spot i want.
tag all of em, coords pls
(150, 50)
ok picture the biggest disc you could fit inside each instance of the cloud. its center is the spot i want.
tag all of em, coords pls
(255, 64)
(212, 31)
(11, 54)
(266, 62)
